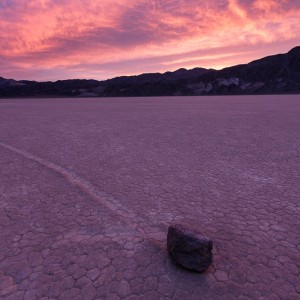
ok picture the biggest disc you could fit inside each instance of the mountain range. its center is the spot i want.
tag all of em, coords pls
(277, 74)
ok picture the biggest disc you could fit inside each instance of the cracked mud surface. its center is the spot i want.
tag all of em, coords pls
(88, 188)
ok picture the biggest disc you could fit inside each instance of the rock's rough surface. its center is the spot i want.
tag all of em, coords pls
(189, 248)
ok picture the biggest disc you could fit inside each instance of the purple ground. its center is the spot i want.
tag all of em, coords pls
(89, 186)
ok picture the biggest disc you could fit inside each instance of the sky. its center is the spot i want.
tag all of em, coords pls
(63, 39)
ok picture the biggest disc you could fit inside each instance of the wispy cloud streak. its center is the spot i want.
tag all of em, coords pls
(54, 39)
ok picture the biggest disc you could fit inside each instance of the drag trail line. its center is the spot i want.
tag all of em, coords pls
(101, 197)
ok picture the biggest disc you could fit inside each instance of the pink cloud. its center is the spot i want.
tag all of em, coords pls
(67, 39)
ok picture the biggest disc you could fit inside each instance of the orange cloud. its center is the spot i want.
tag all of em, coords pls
(269, 5)
(55, 39)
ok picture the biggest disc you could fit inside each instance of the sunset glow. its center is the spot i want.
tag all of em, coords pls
(60, 39)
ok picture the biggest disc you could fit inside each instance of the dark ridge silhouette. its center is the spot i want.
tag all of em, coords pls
(277, 74)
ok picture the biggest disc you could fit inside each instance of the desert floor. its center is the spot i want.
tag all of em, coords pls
(88, 188)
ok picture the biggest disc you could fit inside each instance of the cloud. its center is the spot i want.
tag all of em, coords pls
(54, 39)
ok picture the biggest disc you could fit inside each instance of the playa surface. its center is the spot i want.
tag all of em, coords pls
(88, 188)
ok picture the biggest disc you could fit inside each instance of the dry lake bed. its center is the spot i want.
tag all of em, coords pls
(88, 188)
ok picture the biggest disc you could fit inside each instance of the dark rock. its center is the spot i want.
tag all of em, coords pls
(189, 248)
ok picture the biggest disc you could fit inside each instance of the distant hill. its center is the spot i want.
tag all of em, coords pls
(277, 74)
